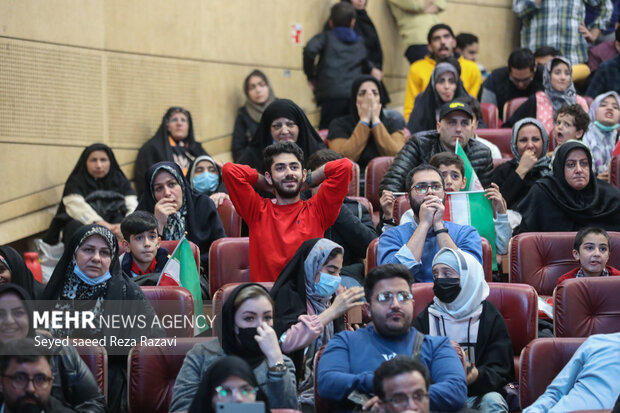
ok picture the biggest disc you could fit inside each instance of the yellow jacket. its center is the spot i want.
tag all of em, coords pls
(413, 23)
(420, 75)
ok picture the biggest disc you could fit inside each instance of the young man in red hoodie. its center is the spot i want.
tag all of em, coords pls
(278, 228)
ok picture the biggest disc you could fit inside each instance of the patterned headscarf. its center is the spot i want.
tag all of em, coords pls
(557, 98)
(175, 226)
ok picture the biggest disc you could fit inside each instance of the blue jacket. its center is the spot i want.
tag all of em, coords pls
(393, 249)
(351, 358)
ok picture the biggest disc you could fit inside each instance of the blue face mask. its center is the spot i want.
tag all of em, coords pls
(327, 285)
(606, 128)
(206, 182)
(91, 281)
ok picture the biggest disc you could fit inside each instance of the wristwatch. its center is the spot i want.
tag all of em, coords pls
(278, 367)
(440, 231)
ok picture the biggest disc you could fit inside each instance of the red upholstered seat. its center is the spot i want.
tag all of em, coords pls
(371, 255)
(540, 258)
(354, 185)
(229, 262)
(170, 300)
(375, 170)
(364, 202)
(614, 173)
(511, 107)
(490, 114)
(170, 245)
(151, 372)
(231, 220)
(96, 358)
(516, 302)
(586, 306)
(500, 137)
(320, 405)
(541, 361)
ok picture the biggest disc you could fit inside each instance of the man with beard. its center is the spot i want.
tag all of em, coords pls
(26, 379)
(351, 357)
(415, 244)
(278, 228)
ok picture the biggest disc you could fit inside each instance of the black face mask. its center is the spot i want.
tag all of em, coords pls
(447, 289)
(246, 338)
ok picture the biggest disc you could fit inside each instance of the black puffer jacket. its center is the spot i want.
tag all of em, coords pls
(419, 150)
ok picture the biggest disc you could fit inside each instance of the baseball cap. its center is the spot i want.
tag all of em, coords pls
(454, 107)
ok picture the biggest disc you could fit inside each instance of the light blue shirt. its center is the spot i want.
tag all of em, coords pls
(393, 247)
(589, 381)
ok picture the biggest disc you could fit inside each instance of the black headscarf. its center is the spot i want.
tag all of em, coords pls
(226, 334)
(292, 291)
(424, 114)
(158, 149)
(25, 297)
(201, 221)
(20, 273)
(553, 205)
(80, 182)
(308, 139)
(216, 374)
(343, 126)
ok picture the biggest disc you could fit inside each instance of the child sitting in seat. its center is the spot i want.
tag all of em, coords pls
(143, 259)
(571, 122)
(591, 250)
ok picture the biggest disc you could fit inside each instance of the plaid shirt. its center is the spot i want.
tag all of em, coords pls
(555, 23)
(580, 273)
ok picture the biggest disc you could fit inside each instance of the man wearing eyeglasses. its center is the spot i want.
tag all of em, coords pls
(415, 244)
(402, 384)
(351, 357)
(26, 379)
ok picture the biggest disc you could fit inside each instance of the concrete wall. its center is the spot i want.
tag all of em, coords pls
(74, 72)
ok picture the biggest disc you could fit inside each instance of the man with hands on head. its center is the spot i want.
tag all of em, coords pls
(416, 243)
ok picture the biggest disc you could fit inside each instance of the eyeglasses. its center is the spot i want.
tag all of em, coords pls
(20, 381)
(401, 400)
(243, 391)
(423, 188)
(388, 296)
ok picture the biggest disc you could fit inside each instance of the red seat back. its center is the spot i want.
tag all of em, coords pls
(320, 405)
(231, 220)
(614, 171)
(151, 373)
(171, 300)
(586, 306)
(229, 262)
(96, 358)
(354, 185)
(401, 205)
(490, 114)
(32, 262)
(371, 255)
(540, 258)
(170, 245)
(511, 107)
(364, 202)
(541, 361)
(500, 137)
(375, 170)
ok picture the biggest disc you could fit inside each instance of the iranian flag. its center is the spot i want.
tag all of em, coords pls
(472, 208)
(473, 183)
(180, 270)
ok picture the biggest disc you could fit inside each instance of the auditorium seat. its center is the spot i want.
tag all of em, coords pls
(586, 306)
(541, 360)
(170, 245)
(511, 107)
(171, 300)
(354, 185)
(371, 255)
(375, 170)
(500, 137)
(365, 202)
(320, 405)
(516, 302)
(490, 115)
(152, 371)
(614, 171)
(96, 358)
(231, 220)
(540, 258)
(229, 262)
(401, 205)
(323, 134)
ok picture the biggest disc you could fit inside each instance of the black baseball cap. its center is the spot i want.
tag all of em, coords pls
(454, 107)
